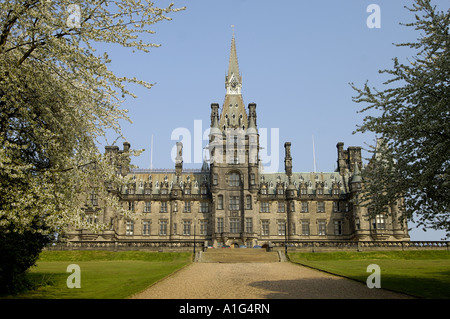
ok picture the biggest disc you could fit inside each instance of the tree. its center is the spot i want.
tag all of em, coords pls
(412, 160)
(57, 99)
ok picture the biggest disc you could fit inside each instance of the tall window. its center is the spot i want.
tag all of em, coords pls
(305, 227)
(93, 201)
(234, 203)
(220, 202)
(235, 225)
(163, 207)
(322, 227)
(248, 202)
(146, 227)
(265, 228)
(264, 207)
(187, 207)
(338, 227)
(320, 207)
(186, 227)
(204, 207)
(249, 225)
(234, 179)
(281, 227)
(252, 179)
(147, 207)
(163, 227)
(336, 207)
(203, 227)
(131, 206)
(281, 207)
(129, 228)
(304, 207)
(220, 225)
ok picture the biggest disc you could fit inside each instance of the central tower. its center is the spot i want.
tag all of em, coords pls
(234, 162)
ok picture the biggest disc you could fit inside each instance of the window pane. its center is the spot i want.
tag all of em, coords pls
(234, 179)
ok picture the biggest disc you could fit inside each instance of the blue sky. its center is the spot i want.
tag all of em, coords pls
(296, 58)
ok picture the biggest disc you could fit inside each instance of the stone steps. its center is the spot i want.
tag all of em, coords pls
(238, 255)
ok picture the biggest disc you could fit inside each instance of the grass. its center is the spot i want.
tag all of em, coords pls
(118, 275)
(424, 274)
(104, 274)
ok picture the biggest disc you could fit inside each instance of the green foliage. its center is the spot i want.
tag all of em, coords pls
(57, 100)
(411, 115)
(18, 252)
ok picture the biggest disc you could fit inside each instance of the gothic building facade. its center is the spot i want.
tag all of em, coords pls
(230, 201)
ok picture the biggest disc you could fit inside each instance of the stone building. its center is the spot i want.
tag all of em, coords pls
(230, 201)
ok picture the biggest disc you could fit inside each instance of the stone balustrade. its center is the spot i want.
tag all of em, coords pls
(305, 246)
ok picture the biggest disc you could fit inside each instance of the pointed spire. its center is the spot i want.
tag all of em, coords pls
(205, 166)
(233, 66)
(233, 80)
(215, 127)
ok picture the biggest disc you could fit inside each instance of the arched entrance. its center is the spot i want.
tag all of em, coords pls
(234, 243)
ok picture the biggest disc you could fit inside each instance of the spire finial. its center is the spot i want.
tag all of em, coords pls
(232, 28)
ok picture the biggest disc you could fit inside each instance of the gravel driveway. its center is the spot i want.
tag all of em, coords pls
(280, 280)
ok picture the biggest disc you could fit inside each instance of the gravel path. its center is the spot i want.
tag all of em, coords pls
(258, 281)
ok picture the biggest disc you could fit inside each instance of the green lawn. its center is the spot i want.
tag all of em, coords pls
(104, 274)
(424, 274)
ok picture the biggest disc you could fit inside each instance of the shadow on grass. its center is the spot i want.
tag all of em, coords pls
(431, 285)
(323, 288)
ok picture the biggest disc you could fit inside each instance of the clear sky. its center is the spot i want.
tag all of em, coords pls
(296, 59)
